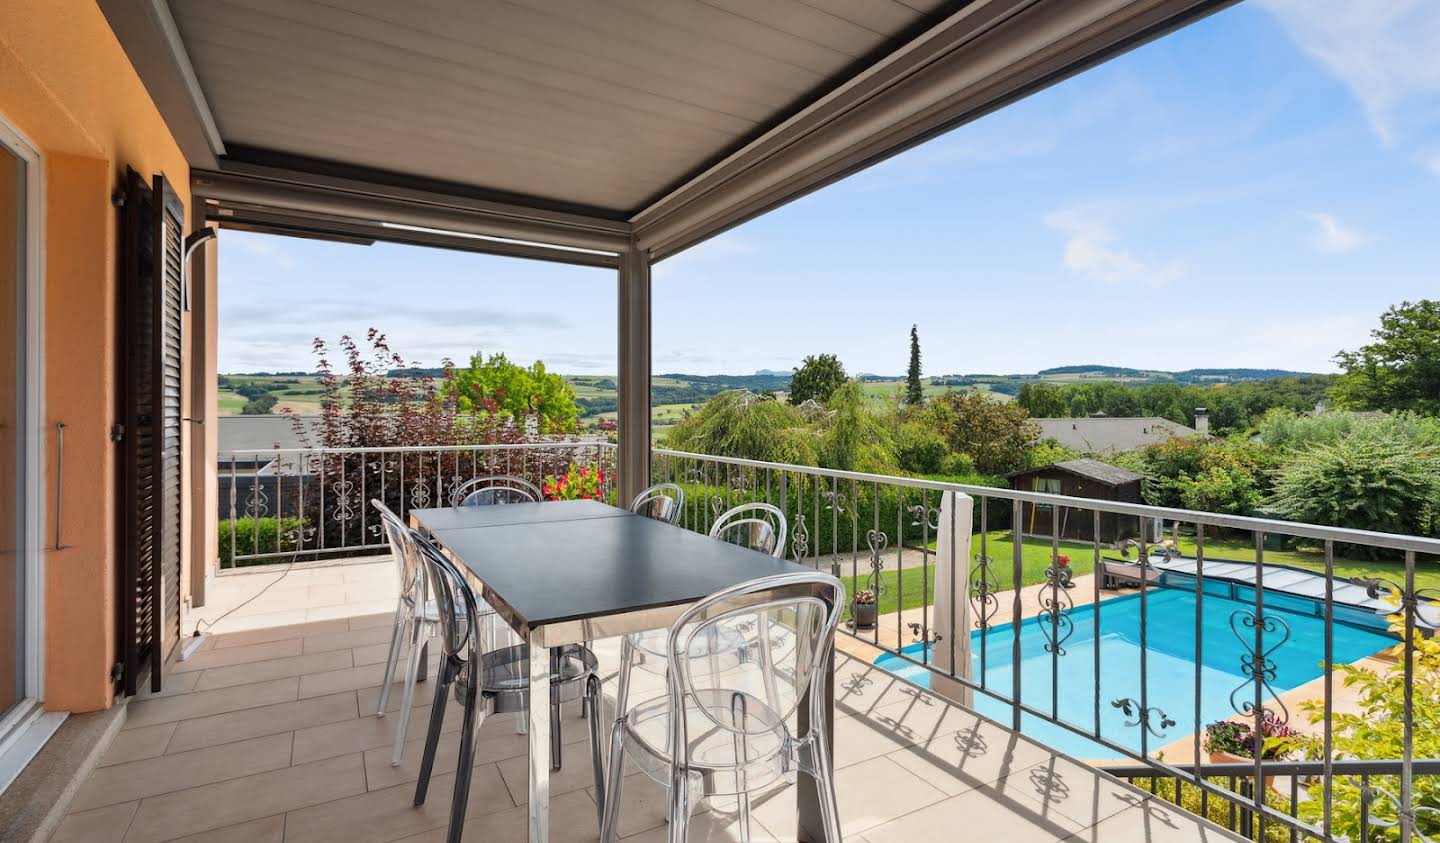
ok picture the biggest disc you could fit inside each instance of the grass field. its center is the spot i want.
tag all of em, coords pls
(907, 592)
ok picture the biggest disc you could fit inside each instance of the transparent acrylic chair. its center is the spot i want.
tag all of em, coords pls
(758, 526)
(726, 732)
(663, 502)
(494, 489)
(415, 621)
(496, 681)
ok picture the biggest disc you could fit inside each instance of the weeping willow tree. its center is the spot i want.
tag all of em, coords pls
(739, 423)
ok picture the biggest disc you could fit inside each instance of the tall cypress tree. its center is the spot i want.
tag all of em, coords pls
(914, 393)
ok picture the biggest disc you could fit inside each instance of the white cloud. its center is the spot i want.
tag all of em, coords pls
(1383, 50)
(1331, 236)
(1091, 251)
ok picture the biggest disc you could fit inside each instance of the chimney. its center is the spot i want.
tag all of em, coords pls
(1202, 421)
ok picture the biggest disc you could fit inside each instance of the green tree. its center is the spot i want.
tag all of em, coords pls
(914, 391)
(493, 384)
(1382, 483)
(996, 435)
(739, 423)
(1400, 370)
(854, 438)
(260, 405)
(1043, 400)
(816, 379)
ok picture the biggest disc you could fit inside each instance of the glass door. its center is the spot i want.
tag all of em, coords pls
(13, 614)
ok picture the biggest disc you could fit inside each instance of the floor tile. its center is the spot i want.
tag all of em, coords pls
(280, 633)
(100, 825)
(348, 639)
(869, 794)
(238, 655)
(204, 703)
(247, 674)
(265, 830)
(265, 720)
(236, 801)
(1154, 822)
(1081, 793)
(381, 618)
(981, 814)
(169, 773)
(390, 814)
(572, 820)
(351, 679)
(134, 744)
(976, 754)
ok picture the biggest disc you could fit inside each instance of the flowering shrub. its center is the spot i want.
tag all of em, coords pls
(576, 484)
(1236, 738)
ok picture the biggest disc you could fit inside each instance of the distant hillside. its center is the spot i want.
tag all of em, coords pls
(1186, 376)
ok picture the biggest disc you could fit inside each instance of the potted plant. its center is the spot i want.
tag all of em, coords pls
(862, 609)
(1230, 742)
(578, 483)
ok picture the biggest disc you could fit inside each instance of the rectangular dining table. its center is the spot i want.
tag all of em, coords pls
(567, 572)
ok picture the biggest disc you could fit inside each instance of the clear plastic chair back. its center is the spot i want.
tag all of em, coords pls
(757, 526)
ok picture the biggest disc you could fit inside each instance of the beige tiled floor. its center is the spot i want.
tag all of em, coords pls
(268, 734)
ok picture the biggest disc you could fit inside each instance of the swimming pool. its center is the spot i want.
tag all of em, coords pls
(1170, 665)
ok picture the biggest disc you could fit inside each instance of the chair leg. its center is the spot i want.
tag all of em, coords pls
(407, 697)
(767, 660)
(464, 762)
(610, 814)
(622, 689)
(590, 707)
(393, 658)
(556, 742)
(679, 812)
(432, 736)
(825, 787)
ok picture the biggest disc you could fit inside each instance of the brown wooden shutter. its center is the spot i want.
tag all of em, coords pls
(149, 428)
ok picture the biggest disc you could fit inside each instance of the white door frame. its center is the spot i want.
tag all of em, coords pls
(18, 728)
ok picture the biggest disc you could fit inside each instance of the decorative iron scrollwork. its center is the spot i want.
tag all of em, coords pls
(345, 500)
(258, 503)
(922, 514)
(984, 585)
(1380, 818)
(878, 541)
(1152, 719)
(799, 538)
(1055, 606)
(835, 501)
(1258, 667)
(1425, 602)
(917, 631)
(419, 494)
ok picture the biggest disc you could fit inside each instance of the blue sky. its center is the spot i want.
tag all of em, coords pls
(1251, 191)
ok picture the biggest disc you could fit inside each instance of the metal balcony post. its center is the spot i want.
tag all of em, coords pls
(633, 360)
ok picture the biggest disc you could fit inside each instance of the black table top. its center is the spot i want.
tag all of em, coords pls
(500, 515)
(566, 570)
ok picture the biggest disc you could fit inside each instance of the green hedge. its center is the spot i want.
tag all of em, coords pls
(837, 531)
(244, 535)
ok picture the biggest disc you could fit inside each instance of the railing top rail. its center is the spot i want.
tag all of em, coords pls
(1392, 541)
(1241, 769)
(429, 449)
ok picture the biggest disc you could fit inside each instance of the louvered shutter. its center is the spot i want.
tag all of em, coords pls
(149, 428)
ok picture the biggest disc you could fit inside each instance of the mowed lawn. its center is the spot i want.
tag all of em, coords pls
(917, 586)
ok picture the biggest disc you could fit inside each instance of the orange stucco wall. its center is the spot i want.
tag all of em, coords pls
(66, 84)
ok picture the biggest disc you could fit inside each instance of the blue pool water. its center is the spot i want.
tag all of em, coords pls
(1170, 667)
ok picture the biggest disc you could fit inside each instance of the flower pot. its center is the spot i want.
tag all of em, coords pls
(863, 614)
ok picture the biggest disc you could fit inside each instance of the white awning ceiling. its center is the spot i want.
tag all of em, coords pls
(665, 120)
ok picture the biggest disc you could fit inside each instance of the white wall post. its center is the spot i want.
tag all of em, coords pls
(952, 597)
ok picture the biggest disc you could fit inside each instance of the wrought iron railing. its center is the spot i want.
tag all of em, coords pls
(280, 504)
(895, 536)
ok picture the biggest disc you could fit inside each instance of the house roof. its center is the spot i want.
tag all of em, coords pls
(1101, 472)
(249, 433)
(1106, 434)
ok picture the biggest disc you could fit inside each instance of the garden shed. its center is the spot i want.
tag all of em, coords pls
(1081, 478)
